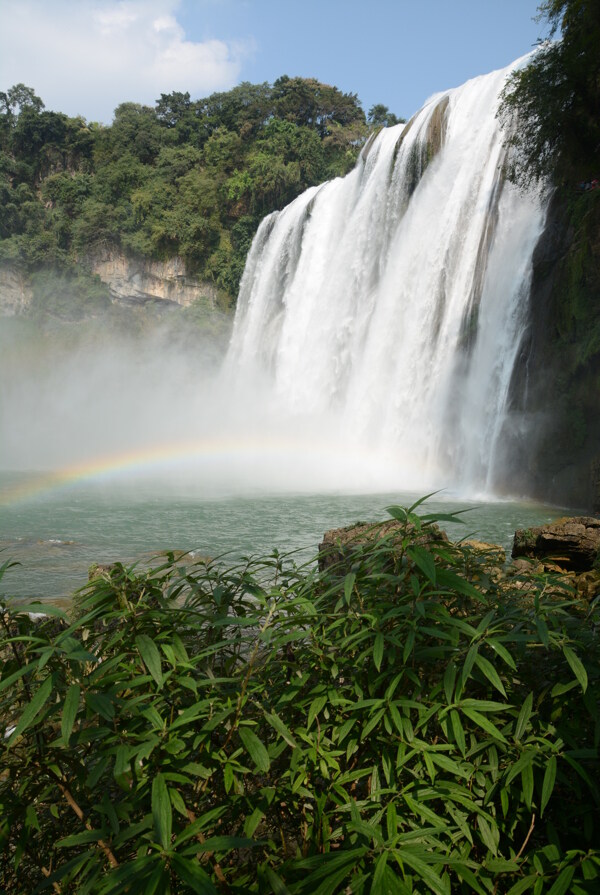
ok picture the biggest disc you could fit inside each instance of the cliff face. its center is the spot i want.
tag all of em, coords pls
(553, 434)
(130, 281)
(134, 281)
(15, 292)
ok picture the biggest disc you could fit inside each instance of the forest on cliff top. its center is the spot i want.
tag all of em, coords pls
(187, 177)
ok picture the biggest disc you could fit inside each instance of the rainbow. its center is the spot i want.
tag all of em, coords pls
(168, 456)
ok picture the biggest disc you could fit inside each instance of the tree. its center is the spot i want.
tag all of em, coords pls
(551, 107)
(380, 116)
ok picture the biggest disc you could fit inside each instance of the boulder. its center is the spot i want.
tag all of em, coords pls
(340, 545)
(571, 543)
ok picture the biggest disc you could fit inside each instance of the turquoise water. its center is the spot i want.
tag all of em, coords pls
(57, 535)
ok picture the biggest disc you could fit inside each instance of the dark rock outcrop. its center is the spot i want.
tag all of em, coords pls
(570, 543)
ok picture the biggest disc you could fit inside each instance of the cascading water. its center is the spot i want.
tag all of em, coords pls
(393, 301)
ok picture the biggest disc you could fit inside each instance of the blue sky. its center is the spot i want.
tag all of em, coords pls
(86, 56)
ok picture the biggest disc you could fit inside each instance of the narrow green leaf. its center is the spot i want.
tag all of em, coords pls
(378, 650)
(449, 681)
(177, 802)
(429, 877)
(162, 815)
(548, 783)
(69, 712)
(151, 656)
(489, 836)
(379, 875)
(458, 731)
(524, 716)
(284, 731)
(316, 705)
(469, 662)
(425, 561)
(485, 724)
(524, 761)
(523, 885)
(502, 652)
(486, 667)
(562, 883)
(576, 666)
(190, 872)
(255, 748)
(32, 709)
(527, 784)
(349, 585)
(79, 839)
(391, 820)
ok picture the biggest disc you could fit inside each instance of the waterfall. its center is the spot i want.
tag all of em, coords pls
(393, 301)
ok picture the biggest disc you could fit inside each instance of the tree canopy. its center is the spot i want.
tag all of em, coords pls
(552, 105)
(186, 177)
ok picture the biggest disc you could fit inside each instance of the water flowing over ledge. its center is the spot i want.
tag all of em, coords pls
(388, 307)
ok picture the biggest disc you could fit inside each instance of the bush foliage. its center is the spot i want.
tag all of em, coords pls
(395, 723)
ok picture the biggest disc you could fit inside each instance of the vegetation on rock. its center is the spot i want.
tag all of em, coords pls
(402, 723)
(191, 178)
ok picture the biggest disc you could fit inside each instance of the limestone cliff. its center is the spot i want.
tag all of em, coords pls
(15, 292)
(137, 281)
(130, 281)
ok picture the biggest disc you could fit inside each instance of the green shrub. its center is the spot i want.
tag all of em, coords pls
(380, 727)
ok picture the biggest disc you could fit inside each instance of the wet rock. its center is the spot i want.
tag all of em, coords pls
(570, 543)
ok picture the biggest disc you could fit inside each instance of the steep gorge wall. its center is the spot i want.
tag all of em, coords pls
(15, 292)
(131, 281)
(553, 435)
(136, 281)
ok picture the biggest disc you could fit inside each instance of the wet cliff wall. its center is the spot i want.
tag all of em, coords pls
(553, 432)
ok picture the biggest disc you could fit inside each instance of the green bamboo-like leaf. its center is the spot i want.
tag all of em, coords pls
(32, 709)
(429, 877)
(281, 728)
(69, 712)
(576, 666)
(524, 716)
(449, 681)
(378, 650)
(484, 723)
(469, 662)
(425, 561)
(489, 835)
(278, 887)
(502, 652)
(190, 872)
(316, 705)
(79, 839)
(458, 731)
(464, 873)
(255, 748)
(151, 656)
(391, 820)
(524, 761)
(349, 585)
(562, 883)
(486, 667)
(528, 882)
(379, 874)
(162, 814)
(10, 680)
(548, 782)
(527, 784)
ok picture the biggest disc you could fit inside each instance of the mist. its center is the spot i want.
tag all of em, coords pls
(159, 403)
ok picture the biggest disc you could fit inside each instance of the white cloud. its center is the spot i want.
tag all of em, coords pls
(87, 56)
